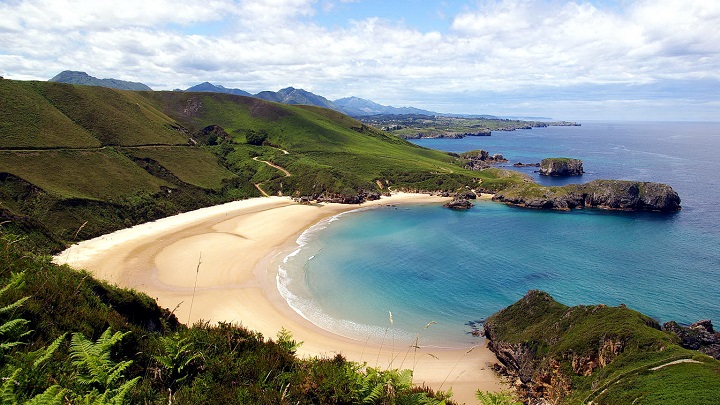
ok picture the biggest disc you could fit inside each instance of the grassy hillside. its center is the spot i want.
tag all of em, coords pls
(607, 355)
(85, 160)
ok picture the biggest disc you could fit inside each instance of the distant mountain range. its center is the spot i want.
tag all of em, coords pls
(74, 77)
(352, 106)
(211, 88)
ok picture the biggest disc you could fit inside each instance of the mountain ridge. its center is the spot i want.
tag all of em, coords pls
(352, 106)
(77, 77)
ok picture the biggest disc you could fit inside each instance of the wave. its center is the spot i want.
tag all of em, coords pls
(308, 308)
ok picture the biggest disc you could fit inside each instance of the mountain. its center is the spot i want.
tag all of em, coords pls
(74, 77)
(358, 107)
(291, 95)
(211, 88)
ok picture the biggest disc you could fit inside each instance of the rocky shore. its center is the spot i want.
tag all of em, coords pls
(621, 195)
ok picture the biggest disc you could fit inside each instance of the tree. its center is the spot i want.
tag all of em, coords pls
(256, 138)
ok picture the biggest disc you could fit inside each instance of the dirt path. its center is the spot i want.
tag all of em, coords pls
(271, 164)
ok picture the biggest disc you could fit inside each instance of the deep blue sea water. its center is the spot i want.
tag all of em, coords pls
(427, 263)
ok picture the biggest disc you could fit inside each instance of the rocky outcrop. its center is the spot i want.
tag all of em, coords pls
(481, 159)
(619, 195)
(561, 167)
(700, 336)
(459, 203)
(543, 346)
(359, 198)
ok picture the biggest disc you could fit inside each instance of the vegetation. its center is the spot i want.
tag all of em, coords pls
(414, 126)
(78, 161)
(607, 355)
(104, 345)
(83, 160)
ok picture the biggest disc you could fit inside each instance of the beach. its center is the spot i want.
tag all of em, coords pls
(219, 264)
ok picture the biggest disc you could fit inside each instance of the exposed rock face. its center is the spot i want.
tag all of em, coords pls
(699, 336)
(481, 159)
(605, 194)
(358, 198)
(459, 204)
(561, 167)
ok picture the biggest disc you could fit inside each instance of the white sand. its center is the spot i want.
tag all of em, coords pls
(236, 247)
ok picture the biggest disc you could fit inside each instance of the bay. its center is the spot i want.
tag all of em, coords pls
(429, 264)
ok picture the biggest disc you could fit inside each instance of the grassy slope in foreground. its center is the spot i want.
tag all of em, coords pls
(597, 353)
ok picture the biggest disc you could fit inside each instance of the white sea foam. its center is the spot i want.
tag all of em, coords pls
(307, 307)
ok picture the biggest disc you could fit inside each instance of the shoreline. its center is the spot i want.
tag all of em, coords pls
(239, 245)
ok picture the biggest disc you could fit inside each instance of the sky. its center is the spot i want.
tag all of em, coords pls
(568, 60)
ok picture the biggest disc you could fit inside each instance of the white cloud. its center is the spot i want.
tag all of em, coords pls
(267, 44)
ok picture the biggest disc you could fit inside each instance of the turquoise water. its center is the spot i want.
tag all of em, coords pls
(427, 263)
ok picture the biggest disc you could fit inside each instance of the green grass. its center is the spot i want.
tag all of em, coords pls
(96, 175)
(28, 120)
(196, 166)
(553, 332)
(686, 383)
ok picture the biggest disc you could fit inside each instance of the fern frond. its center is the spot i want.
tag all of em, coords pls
(54, 395)
(375, 395)
(47, 352)
(14, 305)
(7, 390)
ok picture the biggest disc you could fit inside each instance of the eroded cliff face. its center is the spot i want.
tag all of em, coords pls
(561, 167)
(619, 195)
(540, 380)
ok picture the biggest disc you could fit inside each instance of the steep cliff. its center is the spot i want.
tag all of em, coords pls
(597, 354)
(620, 195)
(561, 167)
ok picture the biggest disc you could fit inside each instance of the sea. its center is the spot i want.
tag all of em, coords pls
(429, 275)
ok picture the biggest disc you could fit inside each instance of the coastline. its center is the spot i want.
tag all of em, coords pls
(221, 263)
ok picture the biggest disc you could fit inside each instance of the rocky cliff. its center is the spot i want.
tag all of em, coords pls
(620, 195)
(552, 354)
(481, 159)
(561, 167)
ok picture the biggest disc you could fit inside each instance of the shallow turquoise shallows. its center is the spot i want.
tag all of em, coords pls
(427, 263)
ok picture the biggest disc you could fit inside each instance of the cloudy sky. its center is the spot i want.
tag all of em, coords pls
(574, 60)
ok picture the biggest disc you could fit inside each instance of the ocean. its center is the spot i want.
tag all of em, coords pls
(385, 273)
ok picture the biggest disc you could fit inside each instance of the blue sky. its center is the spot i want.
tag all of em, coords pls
(574, 60)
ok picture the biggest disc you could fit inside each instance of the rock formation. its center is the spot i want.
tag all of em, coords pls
(481, 159)
(619, 195)
(561, 167)
(699, 336)
(459, 203)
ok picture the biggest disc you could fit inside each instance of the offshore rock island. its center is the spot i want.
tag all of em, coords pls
(619, 195)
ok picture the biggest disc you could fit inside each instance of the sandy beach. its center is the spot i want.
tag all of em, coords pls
(228, 255)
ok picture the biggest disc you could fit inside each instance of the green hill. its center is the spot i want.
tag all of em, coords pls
(597, 354)
(85, 160)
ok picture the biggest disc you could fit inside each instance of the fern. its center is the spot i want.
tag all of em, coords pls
(497, 398)
(14, 329)
(176, 358)
(54, 395)
(97, 372)
(7, 390)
